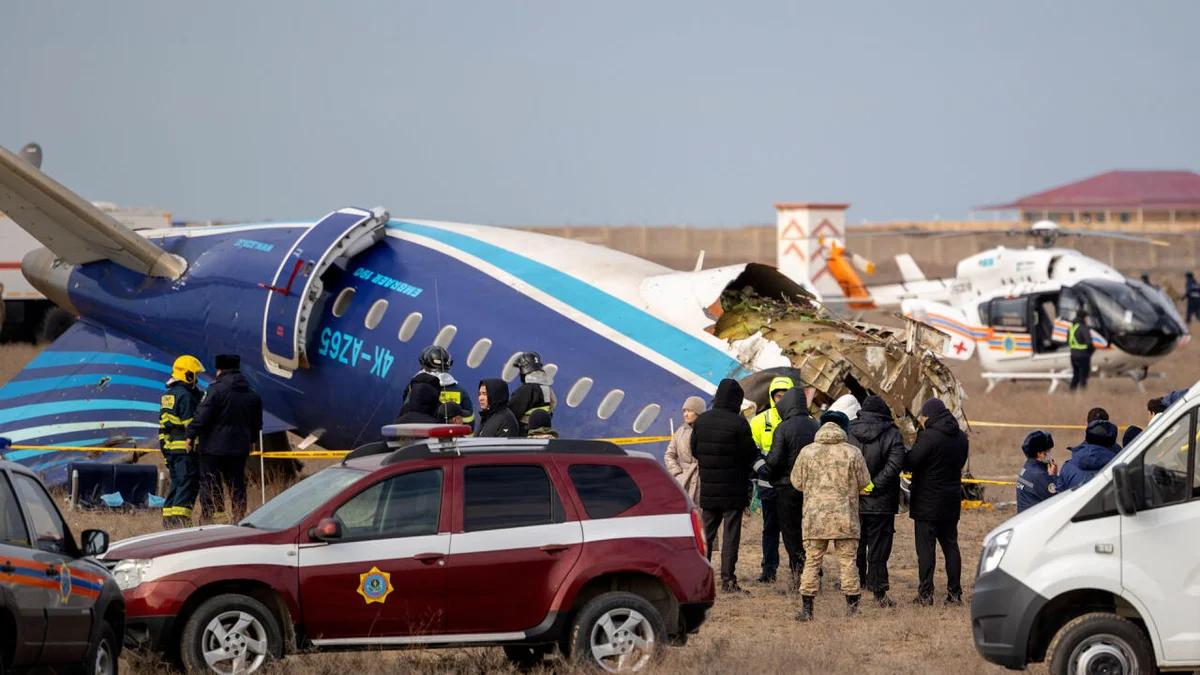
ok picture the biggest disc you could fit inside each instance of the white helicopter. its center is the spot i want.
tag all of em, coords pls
(1014, 306)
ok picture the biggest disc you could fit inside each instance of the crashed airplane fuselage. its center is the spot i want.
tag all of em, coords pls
(330, 316)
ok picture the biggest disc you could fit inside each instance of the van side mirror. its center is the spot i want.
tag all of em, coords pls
(328, 529)
(1123, 486)
(95, 542)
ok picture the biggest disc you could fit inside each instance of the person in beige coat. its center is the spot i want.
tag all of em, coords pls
(679, 459)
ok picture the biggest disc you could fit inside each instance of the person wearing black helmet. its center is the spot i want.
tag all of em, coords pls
(435, 371)
(535, 392)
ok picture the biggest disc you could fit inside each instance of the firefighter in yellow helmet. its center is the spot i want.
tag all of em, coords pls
(762, 427)
(178, 406)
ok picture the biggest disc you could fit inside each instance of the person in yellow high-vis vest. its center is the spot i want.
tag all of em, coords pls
(762, 427)
(1079, 339)
(179, 405)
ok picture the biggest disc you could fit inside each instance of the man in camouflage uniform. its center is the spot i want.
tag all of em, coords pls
(831, 473)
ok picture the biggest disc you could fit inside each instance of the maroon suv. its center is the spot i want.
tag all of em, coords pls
(527, 544)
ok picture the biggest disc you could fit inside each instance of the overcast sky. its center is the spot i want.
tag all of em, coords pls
(614, 112)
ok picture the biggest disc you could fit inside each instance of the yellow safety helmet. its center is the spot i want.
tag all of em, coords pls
(185, 369)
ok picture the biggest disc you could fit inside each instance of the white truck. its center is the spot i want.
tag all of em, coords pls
(1105, 577)
(26, 314)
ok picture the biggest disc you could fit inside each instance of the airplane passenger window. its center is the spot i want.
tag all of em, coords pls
(343, 301)
(579, 391)
(609, 404)
(445, 336)
(375, 315)
(479, 352)
(646, 417)
(409, 328)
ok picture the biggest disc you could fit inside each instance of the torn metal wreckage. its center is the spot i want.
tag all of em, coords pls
(837, 356)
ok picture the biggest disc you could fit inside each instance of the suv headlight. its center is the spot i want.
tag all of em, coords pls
(993, 551)
(129, 573)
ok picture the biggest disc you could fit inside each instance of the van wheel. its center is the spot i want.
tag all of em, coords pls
(617, 632)
(1101, 643)
(230, 634)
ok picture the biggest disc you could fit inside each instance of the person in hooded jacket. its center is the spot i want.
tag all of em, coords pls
(1087, 458)
(762, 427)
(421, 407)
(1038, 480)
(876, 434)
(496, 420)
(936, 461)
(225, 430)
(831, 473)
(724, 448)
(797, 430)
(678, 458)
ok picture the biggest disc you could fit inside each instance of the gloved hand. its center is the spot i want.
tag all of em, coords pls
(762, 473)
(870, 487)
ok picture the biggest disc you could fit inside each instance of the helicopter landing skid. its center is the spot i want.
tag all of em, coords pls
(1139, 378)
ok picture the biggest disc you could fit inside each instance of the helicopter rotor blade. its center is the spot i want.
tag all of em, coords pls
(1113, 235)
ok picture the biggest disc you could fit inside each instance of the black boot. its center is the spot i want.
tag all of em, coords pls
(806, 608)
(852, 604)
(882, 599)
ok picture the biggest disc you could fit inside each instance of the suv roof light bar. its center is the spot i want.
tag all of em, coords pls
(426, 430)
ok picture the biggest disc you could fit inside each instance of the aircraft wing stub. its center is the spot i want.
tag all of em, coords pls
(73, 228)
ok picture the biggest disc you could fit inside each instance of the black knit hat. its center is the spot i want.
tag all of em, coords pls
(228, 362)
(932, 407)
(874, 404)
(837, 417)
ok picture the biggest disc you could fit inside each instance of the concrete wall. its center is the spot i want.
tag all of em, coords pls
(679, 246)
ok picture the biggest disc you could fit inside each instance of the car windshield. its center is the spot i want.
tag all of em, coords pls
(295, 503)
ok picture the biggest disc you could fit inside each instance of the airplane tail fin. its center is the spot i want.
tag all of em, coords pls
(70, 226)
(90, 388)
(909, 270)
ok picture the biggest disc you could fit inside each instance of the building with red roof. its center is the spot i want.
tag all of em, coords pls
(1116, 199)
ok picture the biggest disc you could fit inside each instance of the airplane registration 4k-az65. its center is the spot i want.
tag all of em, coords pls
(329, 317)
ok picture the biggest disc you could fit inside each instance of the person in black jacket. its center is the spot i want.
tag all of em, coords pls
(797, 430)
(496, 420)
(936, 462)
(225, 430)
(875, 433)
(422, 406)
(724, 449)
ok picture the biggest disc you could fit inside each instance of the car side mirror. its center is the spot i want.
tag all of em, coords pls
(1123, 486)
(328, 529)
(95, 542)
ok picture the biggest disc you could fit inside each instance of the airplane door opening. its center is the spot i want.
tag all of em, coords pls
(298, 287)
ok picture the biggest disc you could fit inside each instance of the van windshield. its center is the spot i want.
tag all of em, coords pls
(295, 503)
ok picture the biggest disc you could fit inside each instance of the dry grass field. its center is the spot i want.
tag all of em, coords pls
(757, 634)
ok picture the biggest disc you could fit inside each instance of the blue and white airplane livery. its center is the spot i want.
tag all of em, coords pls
(329, 317)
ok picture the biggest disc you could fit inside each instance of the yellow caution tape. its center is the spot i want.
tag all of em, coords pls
(304, 454)
(973, 481)
(1018, 425)
(636, 440)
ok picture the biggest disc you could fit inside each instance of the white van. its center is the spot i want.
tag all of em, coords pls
(1103, 578)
